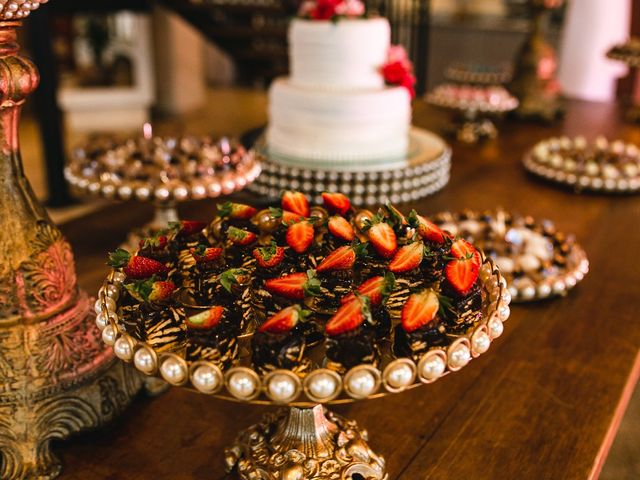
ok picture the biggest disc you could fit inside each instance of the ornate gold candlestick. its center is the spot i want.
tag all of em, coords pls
(534, 81)
(55, 376)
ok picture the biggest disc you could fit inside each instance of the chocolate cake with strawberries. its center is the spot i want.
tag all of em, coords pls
(323, 285)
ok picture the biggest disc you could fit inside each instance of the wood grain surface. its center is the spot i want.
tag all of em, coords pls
(543, 403)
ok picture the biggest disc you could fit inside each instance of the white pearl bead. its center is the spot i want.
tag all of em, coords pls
(322, 386)
(362, 384)
(506, 296)
(111, 291)
(173, 371)
(143, 193)
(109, 335)
(528, 292)
(108, 190)
(513, 291)
(544, 290)
(111, 305)
(558, 287)
(205, 379)
(480, 342)
(242, 385)
(495, 327)
(144, 361)
(119, 277)
(180, 193)
(125, 192)
(162, 193)
(198, 191)
(570, 281)
(101, 321)
(122, 349)
(433, 368)
(214, 189)
(459, 357)
(503, 312)
(400, 376)
(282, 388)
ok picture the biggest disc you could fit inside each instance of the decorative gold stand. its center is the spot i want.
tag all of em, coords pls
(304, 443)
(629, 53)
(56, 378)
(534, 72)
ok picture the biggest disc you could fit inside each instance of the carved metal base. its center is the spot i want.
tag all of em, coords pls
(304, 444)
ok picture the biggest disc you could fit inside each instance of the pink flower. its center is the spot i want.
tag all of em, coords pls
(394, 73)
(351, 8)
(397, 53)
(306, 8)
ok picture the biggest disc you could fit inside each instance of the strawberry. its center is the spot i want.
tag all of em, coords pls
(270, 256)
(395, 215)
(341, 258)
(336, 202)
(286, 216)
(151, 290)
(300, 236)
(205, 320)
(427, 230)
(419, 310)
(341, 228)
(136, 266)
(376, 289)
(349, 317)
(203, 254)
(294, 286)
(462, 273)
(462, 249)
(381, 236)
(295, 202)
(285, 320)
(233, 276)
(239, 236)
(236, 211)
(407, 258)
(187, 227)
(155, 242)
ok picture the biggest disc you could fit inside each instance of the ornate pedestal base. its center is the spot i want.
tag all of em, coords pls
(304, 444)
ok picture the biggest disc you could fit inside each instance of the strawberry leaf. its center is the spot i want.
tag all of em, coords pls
(119, 258)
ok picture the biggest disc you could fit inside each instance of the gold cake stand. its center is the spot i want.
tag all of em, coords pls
(306, 441)
(628, 53)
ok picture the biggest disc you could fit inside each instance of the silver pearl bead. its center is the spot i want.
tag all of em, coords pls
(400, 376)
(503, 312)
(506, 296)
(144, 360)
(480, 342)
(495, 327)
(109, 335)
(459, 357)
(242, 385)
(361, 383)
(118, 277)
(432, 368)
(101, 321)
(322, 386)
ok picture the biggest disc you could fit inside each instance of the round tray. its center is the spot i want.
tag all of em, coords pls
(484, 99)
(424, 172)
(573, 162)
(224, 182)
(520, 246)
(319, 385)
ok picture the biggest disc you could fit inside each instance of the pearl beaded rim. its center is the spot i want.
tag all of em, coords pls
(321, 385)
(17, 10)
(485, 99)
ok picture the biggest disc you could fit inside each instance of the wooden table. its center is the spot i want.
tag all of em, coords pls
(543, 403)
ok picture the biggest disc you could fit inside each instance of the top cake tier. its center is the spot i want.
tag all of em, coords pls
(346, 54)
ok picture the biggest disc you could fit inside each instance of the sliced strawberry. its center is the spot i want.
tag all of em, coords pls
(407, 258)
(270, 256)
(419, 310)
(295, 202)
(151, 290)
(462, 273)
(349, 317)
(341, 228)
(187, 227)
(285, 320)
(205, 320)
(382, 237)
(464, 250)
(427, 229)
(294, 286)
(341, 258)
(204, 254)
(376, 289)
(237, 211)
(336, 202)
(286, 216)
(136, 266)
(300, 236)
(239, 236)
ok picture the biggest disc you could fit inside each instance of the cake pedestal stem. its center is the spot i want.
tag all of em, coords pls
(165, 213)
(304, 443)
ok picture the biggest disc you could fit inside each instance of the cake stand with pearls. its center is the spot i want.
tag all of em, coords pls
(599, 166)
(478, 74)
(162, 170)
(305, 440)
(423, 172)
(536, 259)
(476, 105)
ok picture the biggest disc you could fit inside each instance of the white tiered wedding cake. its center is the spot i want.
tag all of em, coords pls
(339, 105)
